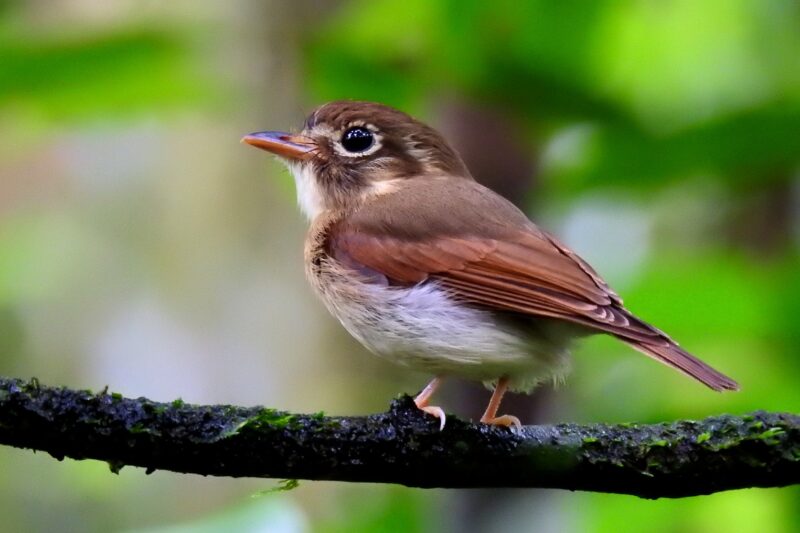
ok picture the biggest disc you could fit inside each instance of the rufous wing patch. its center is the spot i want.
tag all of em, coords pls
(501, 262)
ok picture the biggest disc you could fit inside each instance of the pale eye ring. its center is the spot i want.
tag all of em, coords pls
(357, 139)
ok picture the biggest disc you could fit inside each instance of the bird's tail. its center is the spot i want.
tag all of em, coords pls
(673, 355)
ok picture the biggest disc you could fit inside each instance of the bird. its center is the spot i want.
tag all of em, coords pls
(431, 270)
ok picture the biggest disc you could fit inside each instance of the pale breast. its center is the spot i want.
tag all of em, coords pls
(423, 328)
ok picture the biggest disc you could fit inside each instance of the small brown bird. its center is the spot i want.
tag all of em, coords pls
(431, 270)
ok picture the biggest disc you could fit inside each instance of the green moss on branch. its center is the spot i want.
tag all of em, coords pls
(675, 459)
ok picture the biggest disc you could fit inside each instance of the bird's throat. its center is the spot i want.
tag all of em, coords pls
(310, 197)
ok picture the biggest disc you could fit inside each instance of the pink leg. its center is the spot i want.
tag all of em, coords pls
(490, 416)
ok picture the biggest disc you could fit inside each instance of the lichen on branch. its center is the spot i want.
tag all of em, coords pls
(403, 446)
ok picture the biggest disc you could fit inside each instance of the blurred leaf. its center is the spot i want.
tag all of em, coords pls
(742, 511)
(100, 75)
(361, 55)
(386, 509)
(743, 147)
(672, 64)
(710, 295)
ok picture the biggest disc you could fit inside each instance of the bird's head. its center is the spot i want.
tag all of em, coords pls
(349, 150)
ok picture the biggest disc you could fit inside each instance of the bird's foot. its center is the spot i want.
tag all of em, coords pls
(424, 397)
(433, 410)
(490, 416)
(509, 421)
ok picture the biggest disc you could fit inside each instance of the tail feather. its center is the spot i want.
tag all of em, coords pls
(673, 355)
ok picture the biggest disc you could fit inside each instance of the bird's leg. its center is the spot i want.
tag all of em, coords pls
(423, 397)
(490, 416)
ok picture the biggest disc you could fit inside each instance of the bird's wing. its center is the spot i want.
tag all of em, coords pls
(483, 250)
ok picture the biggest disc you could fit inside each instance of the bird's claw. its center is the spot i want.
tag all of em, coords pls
(438, 412)
(509, 421)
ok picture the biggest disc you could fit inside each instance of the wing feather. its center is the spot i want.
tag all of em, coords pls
(502, 262)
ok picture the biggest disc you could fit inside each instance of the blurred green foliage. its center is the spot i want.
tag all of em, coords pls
(78, 77)
(670, 89)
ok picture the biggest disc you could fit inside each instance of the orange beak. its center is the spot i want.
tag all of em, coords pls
(282, 144)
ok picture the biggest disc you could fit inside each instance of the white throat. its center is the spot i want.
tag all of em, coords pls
(309, 197)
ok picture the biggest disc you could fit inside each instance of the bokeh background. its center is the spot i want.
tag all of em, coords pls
(142, 247)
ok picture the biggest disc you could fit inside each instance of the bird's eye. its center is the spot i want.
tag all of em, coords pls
(357, 139)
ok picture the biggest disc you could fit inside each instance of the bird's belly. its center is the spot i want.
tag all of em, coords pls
(425, 329)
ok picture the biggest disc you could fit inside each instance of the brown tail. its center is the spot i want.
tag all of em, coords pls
(673, 355)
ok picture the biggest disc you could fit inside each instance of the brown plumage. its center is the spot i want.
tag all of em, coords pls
(498, 260)
(404, 240)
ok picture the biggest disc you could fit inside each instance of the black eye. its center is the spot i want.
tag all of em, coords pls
(357, 139)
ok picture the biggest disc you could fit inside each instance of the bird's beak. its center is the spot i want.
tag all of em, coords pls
(281, 143)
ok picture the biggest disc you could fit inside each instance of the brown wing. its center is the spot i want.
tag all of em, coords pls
(497, 259)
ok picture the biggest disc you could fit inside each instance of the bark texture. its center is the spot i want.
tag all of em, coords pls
(674, 459)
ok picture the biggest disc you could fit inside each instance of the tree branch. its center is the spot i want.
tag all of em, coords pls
(403, 446)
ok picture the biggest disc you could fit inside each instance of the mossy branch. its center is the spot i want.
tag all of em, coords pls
(674, 459)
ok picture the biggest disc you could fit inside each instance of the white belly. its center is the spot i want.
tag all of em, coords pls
(423, 328)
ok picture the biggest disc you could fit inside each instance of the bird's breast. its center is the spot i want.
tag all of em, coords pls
(421, 326)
